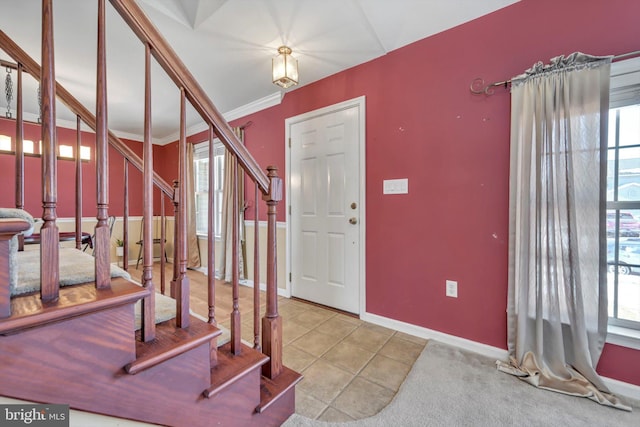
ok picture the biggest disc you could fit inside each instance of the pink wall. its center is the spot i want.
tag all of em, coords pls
(66, 176)
(423, 124)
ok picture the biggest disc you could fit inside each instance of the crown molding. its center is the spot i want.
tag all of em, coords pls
(250, 108)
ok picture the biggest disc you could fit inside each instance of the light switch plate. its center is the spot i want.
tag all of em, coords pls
(395, 186)
(452, 289)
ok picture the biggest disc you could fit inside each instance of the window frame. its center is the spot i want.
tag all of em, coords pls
(624, 92)
(201, 153)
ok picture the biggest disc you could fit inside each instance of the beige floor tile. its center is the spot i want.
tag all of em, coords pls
(348, 356)
(350, 319)
(363, 399)
(336, 327)
(387, 372)
(292, 309)
(296, 359)
(379, 329)
(315, 343)
(367, 339)
(401, 350)
(324, 381)
(313, 317)
(308, 406)
(332, 415)
(292, 331)
(411, 338)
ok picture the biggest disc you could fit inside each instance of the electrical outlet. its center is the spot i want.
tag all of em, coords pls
(452, 288)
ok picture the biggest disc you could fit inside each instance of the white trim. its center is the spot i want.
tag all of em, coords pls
(617, 387)
(419, 331)
(254, 106)
(263, 224)
(620, 388)
(263, 287)
(624, 337)
(93, 218)
(246, 282)
(359, 102)
(242, 111)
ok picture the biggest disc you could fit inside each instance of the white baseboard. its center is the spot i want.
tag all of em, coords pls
(249, 283)
(617, 387)
(418, 331)
(263, 287)
(620, 388)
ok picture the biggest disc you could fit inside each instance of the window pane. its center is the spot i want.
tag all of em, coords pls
(623, 261)
(202, 175)
(201, 172)
(612, 128)
(629, 125)
(628, 174)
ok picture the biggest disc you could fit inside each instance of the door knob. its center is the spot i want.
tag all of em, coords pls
(354, 205)
(353, 220)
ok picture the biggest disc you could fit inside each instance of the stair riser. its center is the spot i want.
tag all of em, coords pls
(80, 362)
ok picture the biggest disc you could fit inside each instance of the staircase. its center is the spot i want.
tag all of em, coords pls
(77, 345)
(85, 353)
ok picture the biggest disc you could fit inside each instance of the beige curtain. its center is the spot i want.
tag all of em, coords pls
(193, 250)
(226, 226)
(557, 305)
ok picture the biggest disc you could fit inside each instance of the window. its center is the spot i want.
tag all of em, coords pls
(201, 170)
(623, 195)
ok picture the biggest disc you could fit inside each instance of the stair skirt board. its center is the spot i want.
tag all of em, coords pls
(83, 376)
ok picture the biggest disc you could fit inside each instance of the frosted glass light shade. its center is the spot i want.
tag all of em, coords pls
(285, 68)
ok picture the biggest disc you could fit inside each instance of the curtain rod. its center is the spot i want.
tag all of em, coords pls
(478, 86)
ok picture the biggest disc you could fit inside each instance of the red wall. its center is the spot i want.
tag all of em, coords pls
(423, 124)
(66, 176)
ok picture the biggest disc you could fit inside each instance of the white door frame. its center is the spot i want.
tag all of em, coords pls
(360, 104)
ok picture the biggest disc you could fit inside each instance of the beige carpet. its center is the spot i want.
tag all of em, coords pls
(451, 387)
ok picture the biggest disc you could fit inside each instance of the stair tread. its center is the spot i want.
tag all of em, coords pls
(272, 389)
(232, 367)
(170, 341)
(28, 311)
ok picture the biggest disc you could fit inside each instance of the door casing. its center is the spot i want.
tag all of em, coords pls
(360, 104)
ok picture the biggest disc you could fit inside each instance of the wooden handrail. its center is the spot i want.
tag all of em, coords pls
(32, 67)
(178, 72)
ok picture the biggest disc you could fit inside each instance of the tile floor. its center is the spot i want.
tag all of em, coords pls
(352, 369)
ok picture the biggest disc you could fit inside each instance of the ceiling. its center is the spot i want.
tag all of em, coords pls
(226, 44)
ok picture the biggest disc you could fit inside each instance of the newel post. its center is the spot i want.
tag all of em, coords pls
(272, 322)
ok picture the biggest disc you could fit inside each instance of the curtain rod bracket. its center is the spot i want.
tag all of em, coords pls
(479, 86)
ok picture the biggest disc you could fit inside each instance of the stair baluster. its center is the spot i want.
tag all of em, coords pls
(102, 242)
(182, 282)
(256, 272)
(148, 304)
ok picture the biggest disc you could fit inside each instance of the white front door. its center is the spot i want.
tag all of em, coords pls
(326, 212)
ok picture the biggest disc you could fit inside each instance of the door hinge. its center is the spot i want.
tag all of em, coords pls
(289, 276)
(289, 209)
(289, 142)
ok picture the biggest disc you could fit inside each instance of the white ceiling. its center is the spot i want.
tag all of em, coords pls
(226, 44)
